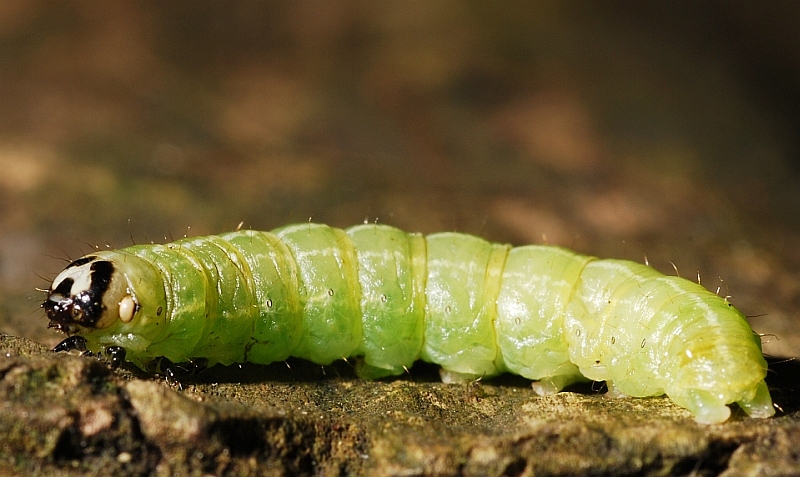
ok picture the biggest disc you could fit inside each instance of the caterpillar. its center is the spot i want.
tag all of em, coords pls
(389, 298)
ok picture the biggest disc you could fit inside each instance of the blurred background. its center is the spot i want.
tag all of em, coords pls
(618, 129)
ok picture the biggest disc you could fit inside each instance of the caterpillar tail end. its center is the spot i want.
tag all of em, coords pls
(709, 408)
(760, 405)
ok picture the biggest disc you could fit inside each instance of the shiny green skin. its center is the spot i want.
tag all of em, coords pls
(475, 308)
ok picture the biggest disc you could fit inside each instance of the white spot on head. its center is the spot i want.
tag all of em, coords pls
(127, 308)
(81, 276)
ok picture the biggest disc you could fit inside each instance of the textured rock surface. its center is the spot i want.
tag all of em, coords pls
(71, 415)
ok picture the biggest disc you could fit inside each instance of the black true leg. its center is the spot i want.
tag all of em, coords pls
(174, 372)
(177, 371)
(72, 343)
(116, 356)
(158, 365)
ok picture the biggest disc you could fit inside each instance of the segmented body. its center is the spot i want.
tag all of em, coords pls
(390, 298)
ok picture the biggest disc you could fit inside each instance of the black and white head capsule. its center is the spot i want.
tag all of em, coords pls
(90, 293)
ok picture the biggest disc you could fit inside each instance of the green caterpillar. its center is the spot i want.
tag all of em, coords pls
(475, 308)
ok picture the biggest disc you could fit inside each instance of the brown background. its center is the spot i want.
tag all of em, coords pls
(617, 129)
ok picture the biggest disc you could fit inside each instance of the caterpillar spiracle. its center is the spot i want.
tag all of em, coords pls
(388, 297)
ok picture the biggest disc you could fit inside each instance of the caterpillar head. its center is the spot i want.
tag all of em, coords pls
(90, 293)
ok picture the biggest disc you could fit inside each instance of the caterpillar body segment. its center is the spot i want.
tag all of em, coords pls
(392, 273)
(374, 292)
